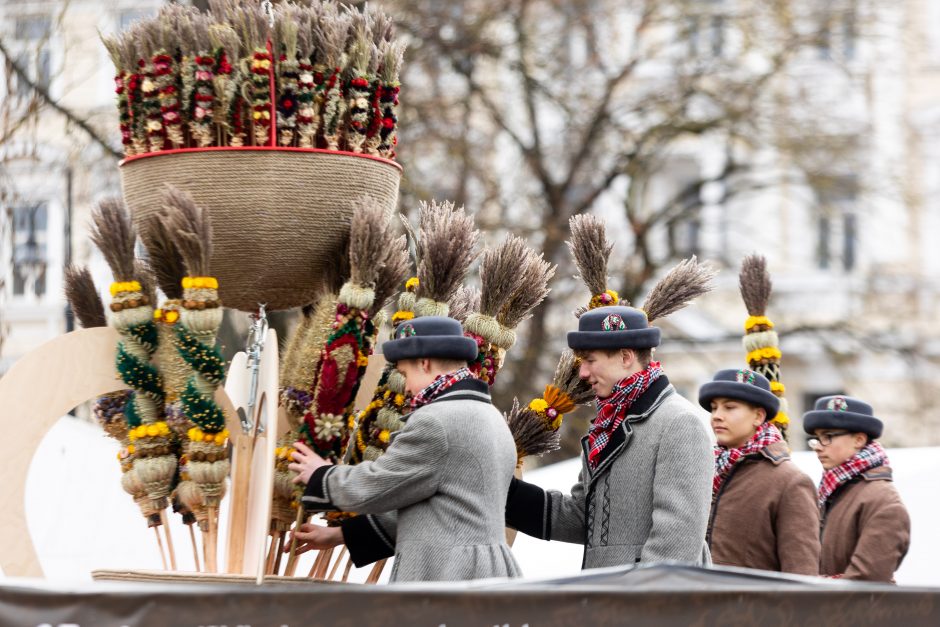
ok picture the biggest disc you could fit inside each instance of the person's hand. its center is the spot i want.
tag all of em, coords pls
(311, 537)
(305, 462)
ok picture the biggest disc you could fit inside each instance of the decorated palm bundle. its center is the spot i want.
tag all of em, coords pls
(377, 259)
(324, 76)
(535, 426)
(500, 278)
(760, 339)
(132, 316)
(206, 462)
(382, 416)
(373, 251)
(149, 459)
(591, 251)
(535, 274)
(168, 269)
(445, 246)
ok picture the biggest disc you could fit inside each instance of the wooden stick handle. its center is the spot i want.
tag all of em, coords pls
(346, 570)
(292, 555)
(316, 565)
(280, 552)
(212, 549)
(156, 532)
(165, 523)
(192, 537)
(339, 559)
(272, 553)
(376, 572)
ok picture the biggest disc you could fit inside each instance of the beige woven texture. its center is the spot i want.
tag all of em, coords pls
(277, 217)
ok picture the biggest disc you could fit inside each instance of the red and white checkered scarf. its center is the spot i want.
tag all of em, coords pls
(612, 410)
(727, 458)
(438, 386)
(872, 456)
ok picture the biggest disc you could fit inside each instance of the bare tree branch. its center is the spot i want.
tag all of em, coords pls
(48, 99)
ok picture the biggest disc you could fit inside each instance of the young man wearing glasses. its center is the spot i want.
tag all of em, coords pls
(865, 530)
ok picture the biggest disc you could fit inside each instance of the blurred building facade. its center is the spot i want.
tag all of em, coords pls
(857, 284)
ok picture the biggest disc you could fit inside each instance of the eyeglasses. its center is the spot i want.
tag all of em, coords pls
(824, 439)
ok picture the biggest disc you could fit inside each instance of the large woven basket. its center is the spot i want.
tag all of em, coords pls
(279, 215)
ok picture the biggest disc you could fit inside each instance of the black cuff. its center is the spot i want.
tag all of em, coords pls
(316, 496)
(527, 509)
(366, 540)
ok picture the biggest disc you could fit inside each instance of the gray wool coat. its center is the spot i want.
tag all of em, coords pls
(435, 498)
(647, 500)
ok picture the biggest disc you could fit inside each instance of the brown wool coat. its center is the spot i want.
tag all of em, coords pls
(765, 516)
(866, 530)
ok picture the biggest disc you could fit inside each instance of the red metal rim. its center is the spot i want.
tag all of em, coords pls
(325, 151)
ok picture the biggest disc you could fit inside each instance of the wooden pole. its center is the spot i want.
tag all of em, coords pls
(280, 552)
(376, 572)
(346, 570)
(316, 565)
(211, 552)
(165, 523)
(192, 538)
(324, 565)
(160, 544)
(272, 553)
(339, 559)
(292, 555)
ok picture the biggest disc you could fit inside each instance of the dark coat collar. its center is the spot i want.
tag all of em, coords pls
(777, 453)
(648, 402)
(466, 390)
(878, 473)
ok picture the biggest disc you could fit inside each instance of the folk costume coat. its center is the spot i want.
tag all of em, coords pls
(435, 499)
(765, 515)
(866, 529)
(648, 498)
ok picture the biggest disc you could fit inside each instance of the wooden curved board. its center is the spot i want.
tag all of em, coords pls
(252, 463)
(40, 388)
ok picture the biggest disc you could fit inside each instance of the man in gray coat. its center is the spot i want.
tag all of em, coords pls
(644, 491)
(435, 498)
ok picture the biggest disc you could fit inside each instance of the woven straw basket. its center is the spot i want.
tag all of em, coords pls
(279, 215)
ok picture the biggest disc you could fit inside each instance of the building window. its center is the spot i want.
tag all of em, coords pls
(32, 27)
(838, 34)
(837, 225)
(29, 250)
(822, 243)
(33, 56)
(849, 240)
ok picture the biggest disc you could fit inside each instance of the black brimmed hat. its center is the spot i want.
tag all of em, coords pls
(430, 337)
(613, 327)
(743, 385)
(842, 412)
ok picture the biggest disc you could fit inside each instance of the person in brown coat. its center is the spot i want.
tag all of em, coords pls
(763, 512)
(865, 529)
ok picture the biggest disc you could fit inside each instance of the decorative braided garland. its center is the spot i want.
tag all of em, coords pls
(206, 453)
(763, 355)
(382, 417)
(287, 103)
(334, 110)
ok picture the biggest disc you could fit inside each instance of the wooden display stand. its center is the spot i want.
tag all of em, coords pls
(61, 374)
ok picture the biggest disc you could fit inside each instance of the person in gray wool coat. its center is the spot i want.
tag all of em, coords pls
(435, 499)
(644, 491)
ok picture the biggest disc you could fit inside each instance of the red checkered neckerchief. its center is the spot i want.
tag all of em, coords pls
(727, 458)
(438, 386)
(612, 410)
(872, 456)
